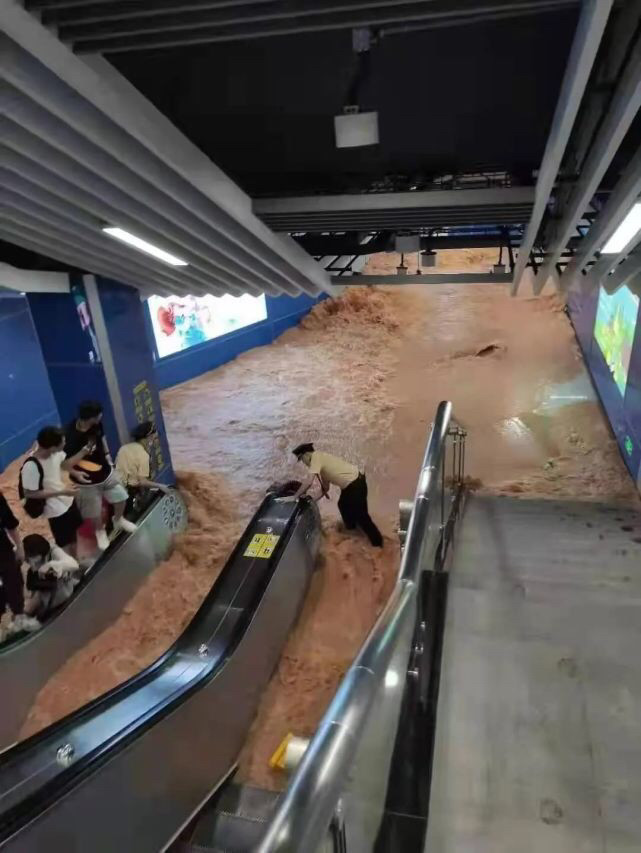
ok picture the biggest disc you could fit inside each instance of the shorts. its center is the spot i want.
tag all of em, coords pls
(90, 498)
(65, 527)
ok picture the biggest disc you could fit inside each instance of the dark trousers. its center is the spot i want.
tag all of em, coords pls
(12, 589)
(352, 505)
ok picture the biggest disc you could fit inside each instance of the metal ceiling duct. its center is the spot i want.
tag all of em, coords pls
(407, 210)
(80, 148)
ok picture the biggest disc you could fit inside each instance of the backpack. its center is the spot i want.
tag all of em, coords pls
(34, 507)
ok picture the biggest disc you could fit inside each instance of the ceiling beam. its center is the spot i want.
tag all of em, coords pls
(614, 211)
(428, 278)
(251, 16)
(623, 107)
(497, 196)
(29, 281)
(440, 15)
(589, 32)
(624, 272)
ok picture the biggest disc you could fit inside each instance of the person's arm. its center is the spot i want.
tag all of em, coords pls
(70, 461)
(150, 484)
(106, 449)
(10, 524)
(304, 487)
(60, 563)
(17, 541)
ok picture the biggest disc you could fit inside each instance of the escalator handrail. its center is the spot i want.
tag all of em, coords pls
(305, 811)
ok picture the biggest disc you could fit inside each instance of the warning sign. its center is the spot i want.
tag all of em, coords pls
(262, 545)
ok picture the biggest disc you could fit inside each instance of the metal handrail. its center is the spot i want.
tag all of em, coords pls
(305, 811)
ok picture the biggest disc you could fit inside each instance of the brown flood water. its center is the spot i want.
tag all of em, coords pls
(361, 376)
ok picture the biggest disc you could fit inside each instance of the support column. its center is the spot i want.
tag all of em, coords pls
(95, 344)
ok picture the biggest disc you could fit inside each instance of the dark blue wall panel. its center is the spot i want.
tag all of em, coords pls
(282, 313)
(26, 399)
(74, 370)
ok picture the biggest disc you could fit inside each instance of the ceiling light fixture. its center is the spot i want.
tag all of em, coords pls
(143, 246)
(630, 226)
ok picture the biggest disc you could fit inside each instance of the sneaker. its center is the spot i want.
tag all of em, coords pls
(22, 622)
(126, 525)
(102, 539)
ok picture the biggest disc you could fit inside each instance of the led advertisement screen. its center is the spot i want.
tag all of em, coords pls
(181, 322)
(614, 327)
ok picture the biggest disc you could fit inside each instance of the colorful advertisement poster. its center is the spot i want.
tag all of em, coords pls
(180, 322)
(614, 327)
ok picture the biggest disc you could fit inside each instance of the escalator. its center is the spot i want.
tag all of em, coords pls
(28, 661)
(128, 771)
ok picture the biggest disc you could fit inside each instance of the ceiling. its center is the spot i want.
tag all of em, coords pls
(449, 101)
(472, 97)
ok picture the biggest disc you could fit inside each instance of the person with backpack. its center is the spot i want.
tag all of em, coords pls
(94, 473)
(12, 584)
(43, 492)
(52, 576)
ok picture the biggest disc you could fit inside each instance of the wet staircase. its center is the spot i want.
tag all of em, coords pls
(234, 822)
(538, 730)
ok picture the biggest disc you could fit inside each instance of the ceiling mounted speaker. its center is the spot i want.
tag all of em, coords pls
(354, 129)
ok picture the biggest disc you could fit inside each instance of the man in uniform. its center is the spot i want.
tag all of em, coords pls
(333, 471)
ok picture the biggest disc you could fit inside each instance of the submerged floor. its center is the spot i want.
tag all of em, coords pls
(361, 377)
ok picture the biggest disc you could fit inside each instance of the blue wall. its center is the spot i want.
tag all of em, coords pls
(282, 312)
(624, 413)
(74, 368)
(26, 399)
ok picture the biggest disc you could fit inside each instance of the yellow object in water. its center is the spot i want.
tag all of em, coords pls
(278, 758)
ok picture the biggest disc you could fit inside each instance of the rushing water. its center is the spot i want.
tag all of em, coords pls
(361, 377)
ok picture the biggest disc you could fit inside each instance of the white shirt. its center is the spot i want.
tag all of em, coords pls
(52, 480)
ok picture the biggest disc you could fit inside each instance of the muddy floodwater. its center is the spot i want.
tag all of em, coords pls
(361, 377)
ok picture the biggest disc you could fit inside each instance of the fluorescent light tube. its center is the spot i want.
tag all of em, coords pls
(625, 232)
(143, 246)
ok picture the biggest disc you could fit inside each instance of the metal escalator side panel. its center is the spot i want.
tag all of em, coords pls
(144, 792)
(26, 666)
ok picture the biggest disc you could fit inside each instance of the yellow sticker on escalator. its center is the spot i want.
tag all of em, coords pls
(262, 545)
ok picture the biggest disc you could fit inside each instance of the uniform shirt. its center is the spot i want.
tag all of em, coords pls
(75, 440)
(132, 463)
(8, 521)
(333, 470)
(51, 481)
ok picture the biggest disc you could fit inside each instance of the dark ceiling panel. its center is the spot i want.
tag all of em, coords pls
(460, 100)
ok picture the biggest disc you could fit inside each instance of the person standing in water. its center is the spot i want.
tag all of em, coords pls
(334, 471)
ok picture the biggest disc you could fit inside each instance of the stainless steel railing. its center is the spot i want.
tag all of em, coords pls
(310, 804)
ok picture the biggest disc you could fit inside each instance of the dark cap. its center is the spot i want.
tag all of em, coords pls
(302, 449)
(143, 430)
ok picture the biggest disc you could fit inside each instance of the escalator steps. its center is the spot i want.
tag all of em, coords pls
(235, 822)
